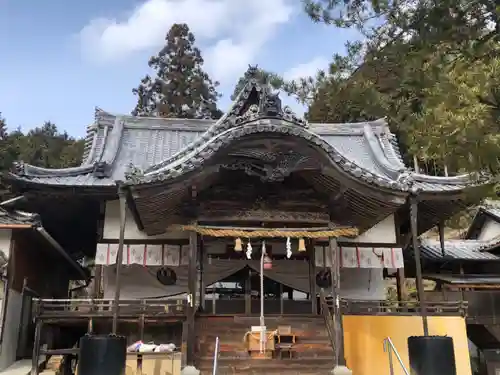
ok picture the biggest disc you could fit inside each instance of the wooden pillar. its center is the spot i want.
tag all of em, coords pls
(312, 275)
(36, 346)
(248, 293)
(282, 305)
(462, 273)
(96, 291)
(203, 261)
(441, 237)
(184, 343)
(191, 310)
(142, 322)
(401, 285)
(418, 264)
(337, 313)
(119, 259)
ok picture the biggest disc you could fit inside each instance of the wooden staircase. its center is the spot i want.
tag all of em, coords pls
(313, 353)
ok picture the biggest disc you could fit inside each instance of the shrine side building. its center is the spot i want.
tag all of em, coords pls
(213, 226)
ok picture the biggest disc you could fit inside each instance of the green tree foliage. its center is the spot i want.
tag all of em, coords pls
(460, 23)
(431, 68)
(44, 146)
(180, 87)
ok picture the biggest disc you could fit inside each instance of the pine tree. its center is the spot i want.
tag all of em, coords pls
(3, 128)
(181, 88)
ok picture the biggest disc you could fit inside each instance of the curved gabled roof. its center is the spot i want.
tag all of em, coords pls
(17, 219)
(465, 250)
(139, 150)
(489, 210)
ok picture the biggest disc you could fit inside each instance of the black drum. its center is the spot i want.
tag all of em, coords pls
(102, 355)
(431, 355)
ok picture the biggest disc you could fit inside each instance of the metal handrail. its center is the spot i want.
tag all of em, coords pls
(327, 316)
(216, 356)
(389, 348)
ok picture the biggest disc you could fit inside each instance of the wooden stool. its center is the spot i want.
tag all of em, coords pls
(285, 341)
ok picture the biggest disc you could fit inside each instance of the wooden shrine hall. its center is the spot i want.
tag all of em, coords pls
(270, 233)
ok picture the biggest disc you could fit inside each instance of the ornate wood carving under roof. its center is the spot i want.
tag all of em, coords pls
(245, 198)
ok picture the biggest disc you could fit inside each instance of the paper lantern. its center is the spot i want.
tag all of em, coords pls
(302, 245)
(268, 263)
(237, 245)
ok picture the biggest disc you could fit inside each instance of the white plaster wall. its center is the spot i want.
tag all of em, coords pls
(490, 230)
(10, 334)
(363, 283)
(5, 236)
(112, 226)
(385, 232)
(11, 330)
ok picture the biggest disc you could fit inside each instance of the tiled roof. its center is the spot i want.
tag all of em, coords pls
(16, 218)
(491, 210)
(125, 141)
(162, 149)
(470, 250)
(465, 279)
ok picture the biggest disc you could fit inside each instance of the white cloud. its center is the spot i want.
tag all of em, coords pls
(304, 70)
(294, 105)
(231, 31)
(308, 69)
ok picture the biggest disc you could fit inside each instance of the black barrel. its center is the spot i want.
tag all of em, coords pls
(431, 355)
(102, 355)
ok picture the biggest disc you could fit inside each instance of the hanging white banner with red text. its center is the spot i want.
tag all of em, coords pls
(362, 257)
(176, 255)
(146, 255)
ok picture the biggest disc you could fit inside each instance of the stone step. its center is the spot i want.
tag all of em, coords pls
(237, 321)
(229, 333)
(267, 366)
(298, 347)
(242, 355)
(313, 354)
(256, 320)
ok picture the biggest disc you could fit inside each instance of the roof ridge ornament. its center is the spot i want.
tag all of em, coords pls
(258, 101)
(252, 71)
(101, 169)
(19, 168)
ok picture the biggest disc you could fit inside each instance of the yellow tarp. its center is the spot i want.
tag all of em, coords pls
(364, 335)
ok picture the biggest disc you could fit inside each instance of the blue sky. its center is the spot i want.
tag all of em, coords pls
(59, 59)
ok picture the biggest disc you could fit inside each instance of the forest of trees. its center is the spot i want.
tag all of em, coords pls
(431, 68)
(44, 146)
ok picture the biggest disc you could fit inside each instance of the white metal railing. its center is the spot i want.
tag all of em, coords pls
(216, 356)
(389, 348)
